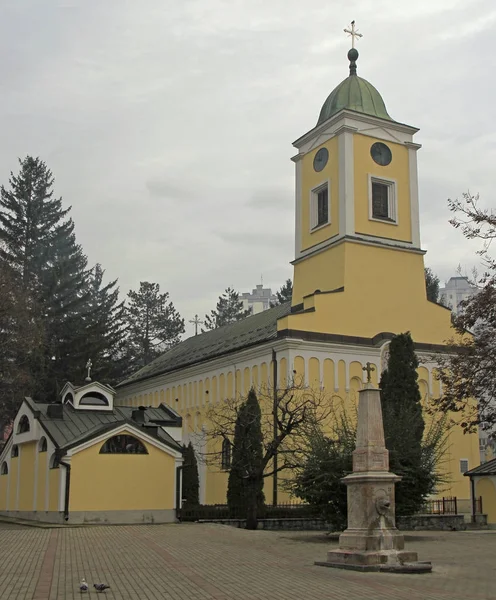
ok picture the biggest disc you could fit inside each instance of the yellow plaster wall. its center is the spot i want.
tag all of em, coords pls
(13, 474)
(4, 484)
(397, 170)
(122, 481)
(26, 489)
(484, 487)
(311, 179)
(323, 271)
(42, 480)
(54, 488)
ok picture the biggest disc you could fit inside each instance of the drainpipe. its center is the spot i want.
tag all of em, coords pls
(472, 494)
(274, 412)
(179, 471)
(67, 488)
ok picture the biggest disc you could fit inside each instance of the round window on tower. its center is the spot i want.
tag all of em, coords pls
(381, 154)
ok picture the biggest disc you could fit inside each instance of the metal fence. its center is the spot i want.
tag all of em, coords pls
(212, 512)
(451, 506)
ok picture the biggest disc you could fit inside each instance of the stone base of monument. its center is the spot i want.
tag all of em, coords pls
(387, 561)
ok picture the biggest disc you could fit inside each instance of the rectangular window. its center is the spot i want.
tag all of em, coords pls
(319, 206)
(463, 465)
(380, 200)
(322, 207)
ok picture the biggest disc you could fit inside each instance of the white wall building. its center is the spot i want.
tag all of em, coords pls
(259, 299)
(456, 290)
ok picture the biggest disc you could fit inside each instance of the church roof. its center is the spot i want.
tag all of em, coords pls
(487, 468)
(354, 93)
(76, 426)
(251, 331)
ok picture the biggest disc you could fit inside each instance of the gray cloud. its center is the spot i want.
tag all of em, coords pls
(133, 102)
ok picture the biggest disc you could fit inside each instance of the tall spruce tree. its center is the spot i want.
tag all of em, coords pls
(153, 324)
(245, 483)
(191, 480)
(284, 294)
(21, 337)
(229, 309)
(105, 328)
(404, 425)
(38, 241)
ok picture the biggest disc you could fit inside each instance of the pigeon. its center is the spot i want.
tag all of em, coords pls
(83, 587)
(101, 587)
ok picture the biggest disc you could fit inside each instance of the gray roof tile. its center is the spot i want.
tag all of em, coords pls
(487, 468)
(251, 331)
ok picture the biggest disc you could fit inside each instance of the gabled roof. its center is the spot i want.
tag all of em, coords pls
(78, 426)
(251, 331)
(487, 468)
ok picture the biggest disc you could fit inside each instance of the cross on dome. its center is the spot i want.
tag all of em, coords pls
(353, 33)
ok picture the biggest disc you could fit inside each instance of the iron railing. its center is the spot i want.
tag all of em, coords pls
(450, 506)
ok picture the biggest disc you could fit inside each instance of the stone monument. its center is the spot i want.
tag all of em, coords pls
(371, 542)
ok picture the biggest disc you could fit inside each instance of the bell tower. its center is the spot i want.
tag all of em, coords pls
(357, 234)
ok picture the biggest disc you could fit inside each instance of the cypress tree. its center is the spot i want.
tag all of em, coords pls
(191, 481)
(404, 425)
(245, 495)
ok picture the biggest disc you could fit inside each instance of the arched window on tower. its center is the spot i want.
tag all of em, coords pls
(226, 454)
(42, 445)
(93, 399)
(123, 444)
(14, 453)
(24, 425)
(5, 469)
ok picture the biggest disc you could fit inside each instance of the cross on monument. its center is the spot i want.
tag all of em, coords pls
(369, 368)
(353, 33)
(196, 321)
(89, 364)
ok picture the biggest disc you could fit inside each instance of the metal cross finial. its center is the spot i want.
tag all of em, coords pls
(196, 321)
(369, 368)
(89, 364)
(353, 33)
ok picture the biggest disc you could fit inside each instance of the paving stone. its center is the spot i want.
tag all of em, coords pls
(213, 562)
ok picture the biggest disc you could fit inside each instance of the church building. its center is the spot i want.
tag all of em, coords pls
(84, 460)
(358, 280)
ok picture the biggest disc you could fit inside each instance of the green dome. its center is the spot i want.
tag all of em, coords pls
(357, 94)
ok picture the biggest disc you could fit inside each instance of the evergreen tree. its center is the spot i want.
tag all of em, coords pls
(284, 294)
(191, 481)
(245, 484)
(21, 337)
(153, 324)
(404, 425)
(105, 328)
(39, 243)
(431, 285)
(229, 309)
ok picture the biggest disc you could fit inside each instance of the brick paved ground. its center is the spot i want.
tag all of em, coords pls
(214, 562)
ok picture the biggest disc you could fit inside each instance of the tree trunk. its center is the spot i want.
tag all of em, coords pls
(251, 514)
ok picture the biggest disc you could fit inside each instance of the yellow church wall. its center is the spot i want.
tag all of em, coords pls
(53, 489)
(398, 305)
(314, 373)
(310, 179)
(222, 387)
(254, 377)
(484, 486)
(282, 373)
(326, 273)
(26, 487)
(397, 171)
(13, 474)
(4, 486)
(122, 481)
(41, 487)
(246, 380)
(230, 387)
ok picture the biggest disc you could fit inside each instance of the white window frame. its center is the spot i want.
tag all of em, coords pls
(314, 207)
(392, 200)
(468, 467)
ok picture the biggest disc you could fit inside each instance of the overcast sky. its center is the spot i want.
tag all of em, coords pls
(168, 124)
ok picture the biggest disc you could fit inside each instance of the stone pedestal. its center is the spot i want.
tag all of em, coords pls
(371, 541)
